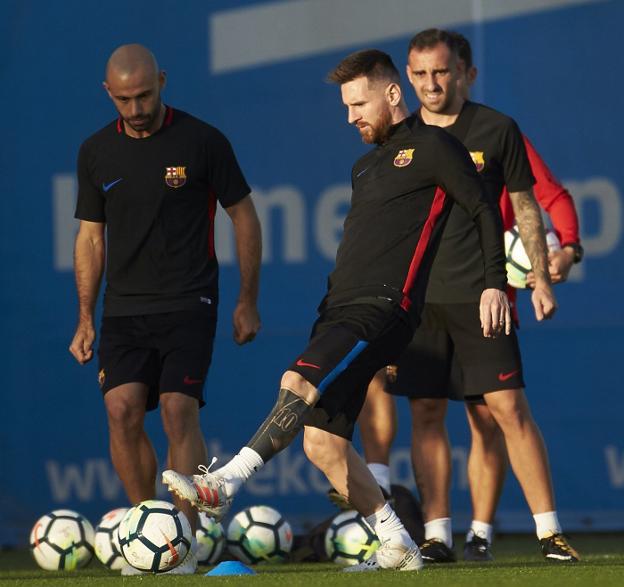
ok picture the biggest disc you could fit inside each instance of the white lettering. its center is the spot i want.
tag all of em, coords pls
(329, 219)
(605, 196)
(459, 458)
(401, 468)
(290, 478)
(65, 226)
(615, 466)
(291, 206)
(72, 479)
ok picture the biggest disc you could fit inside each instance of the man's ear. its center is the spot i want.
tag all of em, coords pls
(393, 94)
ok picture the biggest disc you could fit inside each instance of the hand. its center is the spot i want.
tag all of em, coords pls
(494, 312)
(82, 344)
(246, 322)
(559, 264)
(544, 302)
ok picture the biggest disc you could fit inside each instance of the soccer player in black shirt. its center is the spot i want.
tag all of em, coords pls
(491, 370)
(402, 195)
(149, 183)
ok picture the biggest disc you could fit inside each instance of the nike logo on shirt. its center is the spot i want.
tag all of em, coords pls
(108, 186)
(362, 172)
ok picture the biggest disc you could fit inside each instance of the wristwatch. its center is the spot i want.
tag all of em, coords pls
(578, 251)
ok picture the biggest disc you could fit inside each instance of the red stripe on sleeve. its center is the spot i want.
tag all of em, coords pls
(425, 236)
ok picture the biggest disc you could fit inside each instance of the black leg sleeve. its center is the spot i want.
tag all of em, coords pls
(281, 426)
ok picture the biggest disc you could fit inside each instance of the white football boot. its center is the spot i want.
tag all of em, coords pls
(393, 556)
(189, 565)
(206, 492)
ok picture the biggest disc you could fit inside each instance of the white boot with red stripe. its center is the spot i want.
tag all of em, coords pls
(206, 492)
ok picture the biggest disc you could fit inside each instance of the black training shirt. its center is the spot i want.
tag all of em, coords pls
(499, 155)
(398, 209)
(157, 196)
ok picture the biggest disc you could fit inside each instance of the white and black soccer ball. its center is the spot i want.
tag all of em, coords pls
(62, 541)
(349, 540)
(106, 543)
(259, 534)
(210, 539)
(154, 536)
(517, 261)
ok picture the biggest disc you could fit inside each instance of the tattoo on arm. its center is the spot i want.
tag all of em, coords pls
(532, 232)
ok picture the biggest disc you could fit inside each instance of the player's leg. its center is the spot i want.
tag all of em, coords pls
(493, 367)
(423, 376)
(344, 468)
(126, 377)
(187, 449)
(132, 453)
(184, 341)
(487, 465)
(348, 473)
(378, 426)
(431, 460)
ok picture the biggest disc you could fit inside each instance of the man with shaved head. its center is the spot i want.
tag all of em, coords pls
(149, 183)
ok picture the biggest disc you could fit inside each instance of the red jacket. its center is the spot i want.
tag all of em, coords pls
(552, 197)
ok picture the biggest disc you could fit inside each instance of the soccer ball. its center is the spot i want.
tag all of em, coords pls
(259, 533)
(349, 540)
(154, 536)
(210, 540)
(106, 542)
(518, 264)
(62, 541)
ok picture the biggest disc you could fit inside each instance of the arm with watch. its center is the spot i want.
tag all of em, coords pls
(559, 205)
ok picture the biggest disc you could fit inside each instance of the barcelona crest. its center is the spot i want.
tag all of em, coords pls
(175, 177)
(478, 159)
(403, 158)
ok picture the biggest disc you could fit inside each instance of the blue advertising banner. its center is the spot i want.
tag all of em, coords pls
(256, 70)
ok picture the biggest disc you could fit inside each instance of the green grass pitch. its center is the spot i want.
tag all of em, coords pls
(518, 563)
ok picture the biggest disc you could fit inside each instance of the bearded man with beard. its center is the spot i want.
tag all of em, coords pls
(148, 186)
(403, 191)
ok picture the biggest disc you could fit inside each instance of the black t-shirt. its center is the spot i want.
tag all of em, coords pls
(157, 196)
(497, 149)
(398, 210)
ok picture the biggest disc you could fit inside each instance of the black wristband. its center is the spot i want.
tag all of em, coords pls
(578, 251)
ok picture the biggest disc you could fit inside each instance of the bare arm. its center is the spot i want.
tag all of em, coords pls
(533, 235)
(89, 257)
(249, 248)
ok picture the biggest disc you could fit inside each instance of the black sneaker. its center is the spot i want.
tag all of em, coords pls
(556, 548)
(435, 551)
(477, 549)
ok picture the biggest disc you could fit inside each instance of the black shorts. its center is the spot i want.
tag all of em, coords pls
(348, 345)
(449, 357)
(168, 352)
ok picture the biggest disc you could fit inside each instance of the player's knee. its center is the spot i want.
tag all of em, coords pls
(179, 415)
(428, 412)
(510, 409)
(299, 386)
(124, 415)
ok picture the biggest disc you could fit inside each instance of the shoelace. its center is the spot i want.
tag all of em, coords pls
(205, 469)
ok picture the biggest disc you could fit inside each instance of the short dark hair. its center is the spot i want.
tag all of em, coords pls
(464, 50)
(370, 63)
(429, 38)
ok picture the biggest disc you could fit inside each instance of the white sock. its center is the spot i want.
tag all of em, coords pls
(240, 468)
(381, 473)
(546, 524)
(194, 545)
(480, 529)
(386, 524)
(440, 529)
